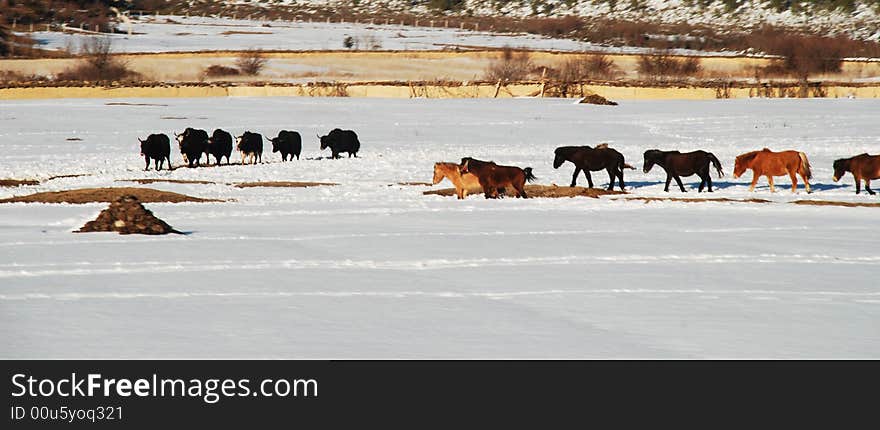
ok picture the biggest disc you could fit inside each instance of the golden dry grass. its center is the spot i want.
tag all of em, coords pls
(105, 195)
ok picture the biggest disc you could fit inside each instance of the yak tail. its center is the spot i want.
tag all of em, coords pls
(717, 164)
(805, 165)
(529, 176)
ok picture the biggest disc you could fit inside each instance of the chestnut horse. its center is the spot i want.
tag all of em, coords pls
(768, 163)
(464, 183)
(862, 166)
(492, 176)
(683, 164)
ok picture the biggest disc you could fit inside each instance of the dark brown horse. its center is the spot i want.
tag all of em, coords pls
(677, 164)
(592, 159)
(492, 177)
(863, 167)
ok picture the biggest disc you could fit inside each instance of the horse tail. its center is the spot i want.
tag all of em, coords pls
(805, 165)
(529, 176)
(717, 164)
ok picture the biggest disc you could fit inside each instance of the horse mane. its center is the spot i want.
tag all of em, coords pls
(748, 156)
(603, 145)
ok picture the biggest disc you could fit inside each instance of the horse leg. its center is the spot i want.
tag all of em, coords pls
(680, 185)
(709, 181)
(577, 170)
(754, 181)
(858, 185)
(793, 181)
(620, 174)
(668, 181)
(868, 187)
(611, 178)
(807, 184)
(770, 180)
(520, 189)
(702, 183)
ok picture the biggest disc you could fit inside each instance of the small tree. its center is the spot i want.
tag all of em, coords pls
(98, 63)
(511, 66)
(807, 55)
(251, 62)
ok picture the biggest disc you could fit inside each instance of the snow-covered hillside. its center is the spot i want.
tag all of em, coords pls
(862, 22)
(370, 268)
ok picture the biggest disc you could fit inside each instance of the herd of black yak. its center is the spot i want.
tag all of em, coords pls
(492, 179)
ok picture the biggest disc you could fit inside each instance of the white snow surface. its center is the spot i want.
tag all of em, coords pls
(372, 269)
(192, 34)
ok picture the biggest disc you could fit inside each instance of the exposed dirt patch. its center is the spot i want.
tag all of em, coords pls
(415, 183)
(173, 117)
(18, 182)
(128, 216)
(105, 195)
(133, 104)
(73, 139)
(694, 200)
(67, 176)
(833, 203)
(545, 191)
(595, 99)
(231, 32)
(284, 184)
(170, 181)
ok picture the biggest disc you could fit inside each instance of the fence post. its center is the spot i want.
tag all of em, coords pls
(32, 27)
(14, 22)
(477, 26)
(446, 24)
(462, 25)
(432, 23)
(416, 24)
(48, 26)
(97, 29)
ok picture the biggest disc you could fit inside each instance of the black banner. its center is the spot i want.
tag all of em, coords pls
(87, 394)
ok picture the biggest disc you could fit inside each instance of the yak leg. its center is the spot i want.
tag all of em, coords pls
(668, 181)
(148, 163)
(770, 180)
(754, 181)
(680, 185)
(574, 178)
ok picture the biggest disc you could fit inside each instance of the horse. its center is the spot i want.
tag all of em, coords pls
(678, 164)
(592, 159)
(768, 163)
(492, 177)
(464, 183)
(863, 167)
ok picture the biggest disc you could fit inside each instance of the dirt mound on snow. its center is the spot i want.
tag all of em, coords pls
(17, 182)
(595, 99)
(833, 203)
(105, 195)
(545, 191)
(127, 216)
(694, 200)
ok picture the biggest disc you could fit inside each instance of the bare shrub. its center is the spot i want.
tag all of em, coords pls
(804, 56)
(588, 67)
(369, 41)
(217, 71)
(98, 63)
(510, 67)
(668, 66)
(251, 62)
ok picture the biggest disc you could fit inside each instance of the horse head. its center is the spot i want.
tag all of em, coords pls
(438, 173)
(558, 159)
(464, 167)
(651, 158)
(744, 162)
(841, 166)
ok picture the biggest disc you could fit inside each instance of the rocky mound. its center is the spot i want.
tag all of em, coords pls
(127, 216)
(595, 99)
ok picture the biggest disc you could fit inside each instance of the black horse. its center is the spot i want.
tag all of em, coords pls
(677, 164)
(592, 159)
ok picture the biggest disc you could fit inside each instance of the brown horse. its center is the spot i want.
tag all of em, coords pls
(768, 163)
(862, 166)
(464, 183)
(592, 159)
(492, 176)
(683, 164)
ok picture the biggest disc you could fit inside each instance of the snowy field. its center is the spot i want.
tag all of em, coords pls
(372, 269)
(179, 33)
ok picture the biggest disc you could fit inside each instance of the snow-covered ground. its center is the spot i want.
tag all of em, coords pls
(185, 34)
(370, 268)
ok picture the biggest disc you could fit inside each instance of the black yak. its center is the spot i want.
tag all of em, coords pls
(287, 143)
(341, 141)
(193, 143)
(158, 148)
(220, 145)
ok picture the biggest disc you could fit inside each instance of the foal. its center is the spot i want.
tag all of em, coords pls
(492, 176)
(464, 182)
(863, 167)
(678, 164)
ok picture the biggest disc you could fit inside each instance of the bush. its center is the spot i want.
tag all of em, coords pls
(98, 63)
(668, 66)
(217, 71)
(510, 67)
(588, 67)
(251, 62)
